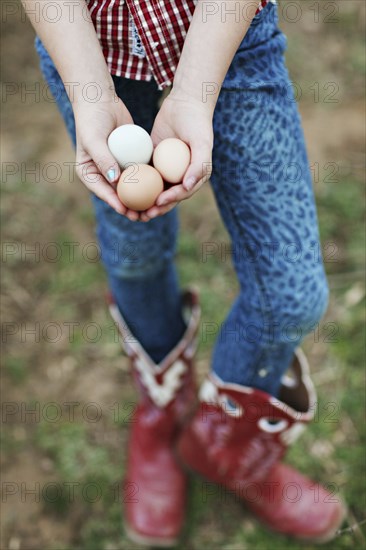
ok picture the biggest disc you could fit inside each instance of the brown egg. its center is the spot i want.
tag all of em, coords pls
(171, 158)
(139, 186)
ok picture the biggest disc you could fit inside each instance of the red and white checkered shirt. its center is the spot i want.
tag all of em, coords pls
(142, 39)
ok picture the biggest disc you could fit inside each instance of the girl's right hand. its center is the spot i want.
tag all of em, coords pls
(95, 165)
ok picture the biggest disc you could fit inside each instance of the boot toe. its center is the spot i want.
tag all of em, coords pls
(155, 519)
(298, 506)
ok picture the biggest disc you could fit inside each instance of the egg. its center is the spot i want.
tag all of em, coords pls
(171, 158)
(130, 143)
(139, 186)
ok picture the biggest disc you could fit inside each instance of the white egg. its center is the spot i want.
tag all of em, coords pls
(130, 143)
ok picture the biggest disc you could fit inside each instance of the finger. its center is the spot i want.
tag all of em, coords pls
(200, 166)
(132, 215)
(177, 193)
(156, 211)
(173, 194)
(103, 159)
(144, 217)
(94, 181)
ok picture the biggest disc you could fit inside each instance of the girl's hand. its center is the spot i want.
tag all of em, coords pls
(190, 120)
(96, 166)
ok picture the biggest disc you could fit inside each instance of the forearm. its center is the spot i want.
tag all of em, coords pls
(214, 36)
(74, 47)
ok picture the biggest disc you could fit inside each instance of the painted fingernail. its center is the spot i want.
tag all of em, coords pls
(111, 175)
(190, 183)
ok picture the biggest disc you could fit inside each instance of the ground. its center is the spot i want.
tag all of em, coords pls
(61, 357)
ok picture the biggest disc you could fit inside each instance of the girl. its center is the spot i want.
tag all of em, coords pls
(231, 101)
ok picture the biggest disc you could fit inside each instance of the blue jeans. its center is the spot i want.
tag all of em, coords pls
(263, 189)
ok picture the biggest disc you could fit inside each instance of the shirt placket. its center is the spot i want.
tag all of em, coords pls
(153, 37)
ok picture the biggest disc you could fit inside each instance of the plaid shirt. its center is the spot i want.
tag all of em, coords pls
(142, 39)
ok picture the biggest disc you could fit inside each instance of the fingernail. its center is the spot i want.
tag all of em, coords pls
(111, 175)
(190, 183)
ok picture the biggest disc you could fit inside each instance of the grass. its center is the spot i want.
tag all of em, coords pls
(332, 449)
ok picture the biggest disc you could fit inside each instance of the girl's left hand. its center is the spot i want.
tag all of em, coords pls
(190, 120)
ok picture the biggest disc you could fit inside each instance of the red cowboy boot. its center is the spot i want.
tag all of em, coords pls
(155, 485)
(238, 436)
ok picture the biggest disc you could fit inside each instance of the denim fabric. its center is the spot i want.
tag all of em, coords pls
(57, 88)
(263, 190)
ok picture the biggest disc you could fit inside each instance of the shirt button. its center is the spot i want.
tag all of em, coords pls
(263, 372)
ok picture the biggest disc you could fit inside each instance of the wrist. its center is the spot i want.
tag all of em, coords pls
(91, 92)
(194, 95)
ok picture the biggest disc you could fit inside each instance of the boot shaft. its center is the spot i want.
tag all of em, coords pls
(169, 385)
(243, 431)
(166, 393)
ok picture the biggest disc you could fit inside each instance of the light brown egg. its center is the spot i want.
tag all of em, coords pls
(171, 158)
(139, 186)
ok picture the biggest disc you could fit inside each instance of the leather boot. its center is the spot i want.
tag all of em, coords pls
(237, 438)
(155, 485)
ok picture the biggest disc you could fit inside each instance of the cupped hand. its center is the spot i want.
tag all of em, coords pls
(190, 120)
(180, 116)
(95, 164)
